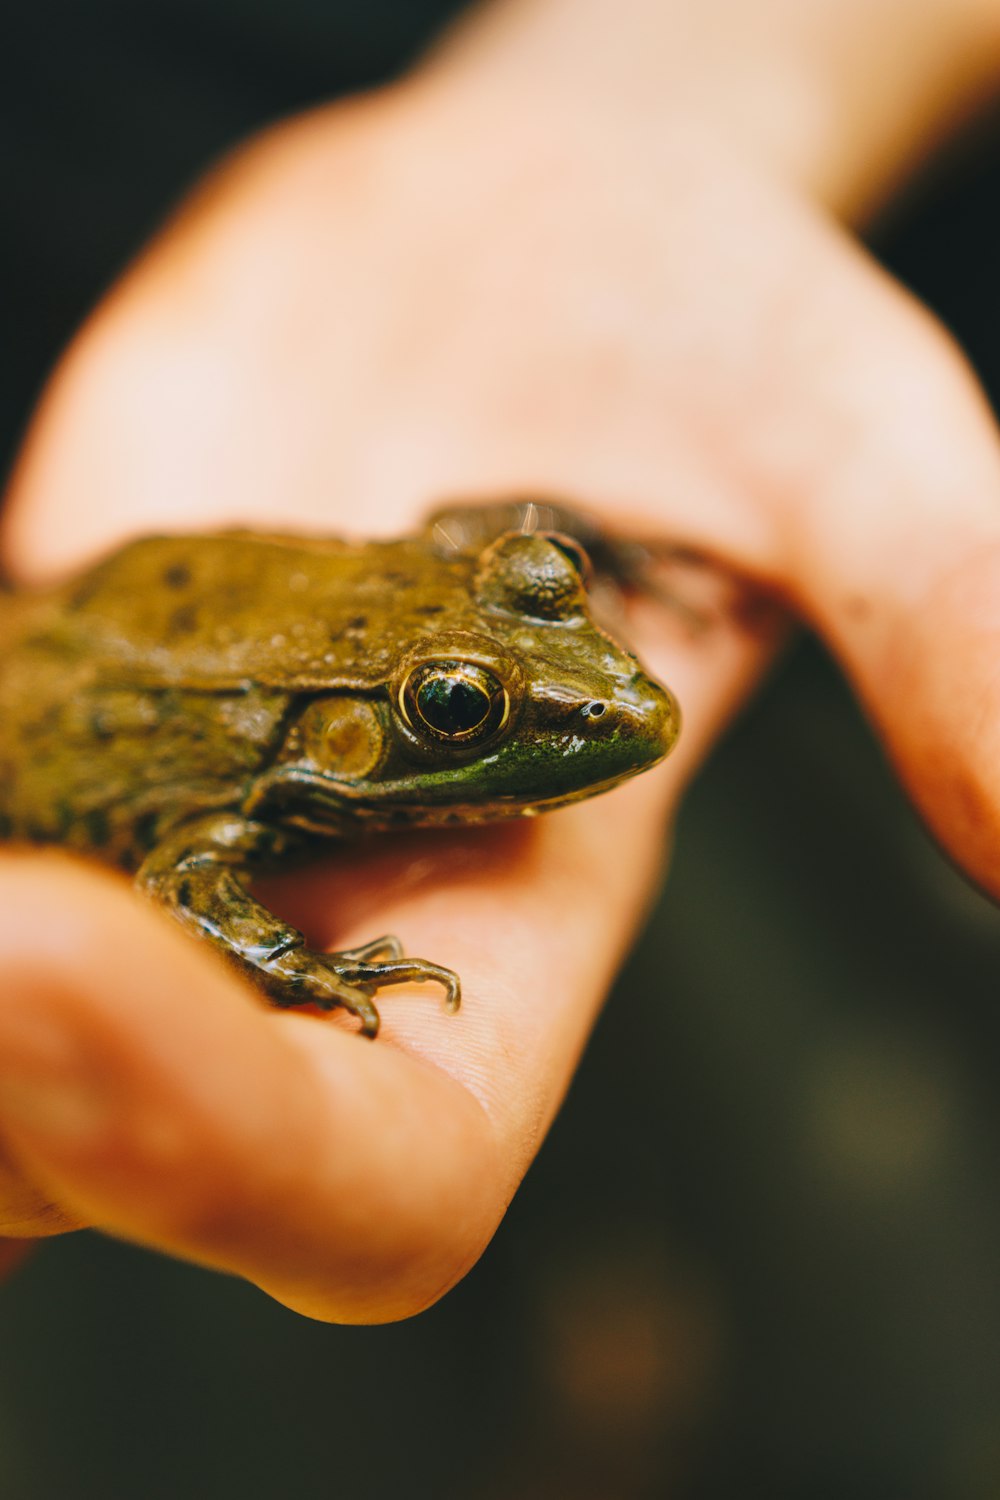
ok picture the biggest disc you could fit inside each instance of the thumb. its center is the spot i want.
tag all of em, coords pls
(895, 558)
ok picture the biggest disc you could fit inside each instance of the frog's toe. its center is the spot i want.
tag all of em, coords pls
(451, 984)
(357, 1001)
(383, 947)
(367, 1013)
(373, 976)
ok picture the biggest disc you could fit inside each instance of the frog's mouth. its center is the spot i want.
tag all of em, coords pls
(305, 800)
(500, 811)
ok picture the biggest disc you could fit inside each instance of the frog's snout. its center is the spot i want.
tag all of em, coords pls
(628, 728)
(645, 714)
(632, 728)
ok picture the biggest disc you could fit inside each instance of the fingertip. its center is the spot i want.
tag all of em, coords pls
(938, 701)
(149, 1094)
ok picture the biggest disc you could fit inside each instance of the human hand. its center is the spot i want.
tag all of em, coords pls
(383, 305)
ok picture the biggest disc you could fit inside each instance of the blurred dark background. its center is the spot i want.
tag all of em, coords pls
(760, 1252)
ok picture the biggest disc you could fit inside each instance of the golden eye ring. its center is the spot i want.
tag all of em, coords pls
(457, 702)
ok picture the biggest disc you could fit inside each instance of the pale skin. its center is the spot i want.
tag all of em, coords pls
(613, 273)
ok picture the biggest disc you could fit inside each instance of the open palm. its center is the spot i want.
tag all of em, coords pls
(372, 309)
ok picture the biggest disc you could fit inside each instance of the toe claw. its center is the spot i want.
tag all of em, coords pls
(369, 1018)
(452, 992)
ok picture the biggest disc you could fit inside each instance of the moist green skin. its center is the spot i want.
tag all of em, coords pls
(197, 709)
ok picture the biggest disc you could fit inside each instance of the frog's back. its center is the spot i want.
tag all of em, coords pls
(104, 766)
(288, 613)
(158, 683)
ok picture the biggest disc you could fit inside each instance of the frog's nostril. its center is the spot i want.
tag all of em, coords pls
(595, 709)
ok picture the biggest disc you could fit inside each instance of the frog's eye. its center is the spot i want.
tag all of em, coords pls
(572, 551)
(455, 700)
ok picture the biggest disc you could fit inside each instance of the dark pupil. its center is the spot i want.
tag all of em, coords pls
(452, 705)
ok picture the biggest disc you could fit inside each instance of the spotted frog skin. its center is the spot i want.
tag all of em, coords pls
(199, 709)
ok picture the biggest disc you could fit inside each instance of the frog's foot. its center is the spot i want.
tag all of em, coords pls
(348, 980)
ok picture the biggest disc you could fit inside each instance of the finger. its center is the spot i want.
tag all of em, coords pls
(140, 1087)
(892, 548)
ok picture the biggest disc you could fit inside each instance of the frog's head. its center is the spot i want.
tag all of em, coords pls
(522, 704)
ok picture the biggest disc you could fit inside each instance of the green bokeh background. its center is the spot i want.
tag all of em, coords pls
(759, 1253)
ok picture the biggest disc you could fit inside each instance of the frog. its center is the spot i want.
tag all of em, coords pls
(199, 710)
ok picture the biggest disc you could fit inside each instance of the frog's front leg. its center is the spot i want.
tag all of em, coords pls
(202, 871)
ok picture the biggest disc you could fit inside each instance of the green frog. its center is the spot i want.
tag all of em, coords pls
(199, 709)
